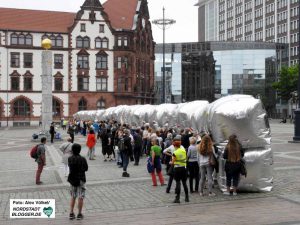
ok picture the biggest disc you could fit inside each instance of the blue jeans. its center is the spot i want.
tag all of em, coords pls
(206, 170)
(125, 159)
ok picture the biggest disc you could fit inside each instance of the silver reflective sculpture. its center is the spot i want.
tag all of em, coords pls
(242, 115)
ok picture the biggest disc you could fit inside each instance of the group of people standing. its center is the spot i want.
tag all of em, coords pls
(186, 155)
(199, 161)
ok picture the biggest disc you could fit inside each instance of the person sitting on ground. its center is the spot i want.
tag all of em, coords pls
(78, 166)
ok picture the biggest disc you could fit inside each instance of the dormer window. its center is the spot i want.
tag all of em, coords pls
(101, 28)
(82, 27)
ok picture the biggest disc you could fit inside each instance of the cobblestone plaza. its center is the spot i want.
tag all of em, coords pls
(114, 200)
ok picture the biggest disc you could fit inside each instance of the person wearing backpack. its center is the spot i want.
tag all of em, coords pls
(126, 152)
(41, 160)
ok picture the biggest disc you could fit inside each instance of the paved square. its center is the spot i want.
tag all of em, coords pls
(112, 199)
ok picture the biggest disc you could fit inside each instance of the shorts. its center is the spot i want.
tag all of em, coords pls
(79, 191)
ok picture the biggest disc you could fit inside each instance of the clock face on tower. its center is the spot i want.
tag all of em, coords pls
(143, 23)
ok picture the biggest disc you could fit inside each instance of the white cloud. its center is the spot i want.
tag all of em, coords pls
(183, 11)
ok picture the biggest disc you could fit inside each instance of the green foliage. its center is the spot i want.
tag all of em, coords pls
(287, 83)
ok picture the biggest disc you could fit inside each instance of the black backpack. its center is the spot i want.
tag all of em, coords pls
(121, 145)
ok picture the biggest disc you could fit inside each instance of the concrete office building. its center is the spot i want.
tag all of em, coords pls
(251, 20)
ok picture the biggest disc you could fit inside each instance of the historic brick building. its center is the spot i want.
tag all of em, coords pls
(103, 56)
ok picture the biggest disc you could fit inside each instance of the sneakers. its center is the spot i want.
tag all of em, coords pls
(211, 194)
(79, 216)
(39, 183)
(201, 194)
(72, 216)
(234, 194)
(125, 174)
(226, 193)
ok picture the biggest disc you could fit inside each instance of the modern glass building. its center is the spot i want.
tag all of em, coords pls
(235, 67)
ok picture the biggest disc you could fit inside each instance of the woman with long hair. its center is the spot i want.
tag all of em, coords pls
(90, 143)
(233, 154)
(205, 152)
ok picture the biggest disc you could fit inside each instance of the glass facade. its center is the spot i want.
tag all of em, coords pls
(172, 76)
(241, 70)
(235, 68)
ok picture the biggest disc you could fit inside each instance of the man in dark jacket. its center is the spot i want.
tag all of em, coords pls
(52, 131)
(126, 152)
(78, 166)
(138, 142)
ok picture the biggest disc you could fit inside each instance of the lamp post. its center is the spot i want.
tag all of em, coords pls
(296, 137)
(163, 24)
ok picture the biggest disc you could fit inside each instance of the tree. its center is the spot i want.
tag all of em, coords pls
(287, 82)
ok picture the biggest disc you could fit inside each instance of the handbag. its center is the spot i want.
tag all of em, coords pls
(212, 160)
(170, 171)
(150, 166)
(243, 171)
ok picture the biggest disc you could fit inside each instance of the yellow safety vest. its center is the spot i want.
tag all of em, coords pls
(180, 155)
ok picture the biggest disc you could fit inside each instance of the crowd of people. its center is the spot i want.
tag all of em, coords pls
(186, 154)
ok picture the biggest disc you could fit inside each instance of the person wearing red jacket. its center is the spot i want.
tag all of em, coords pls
(90, 143)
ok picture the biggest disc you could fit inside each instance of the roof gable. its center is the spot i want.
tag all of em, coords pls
(121, 13)
(35, 20)
(92, 5)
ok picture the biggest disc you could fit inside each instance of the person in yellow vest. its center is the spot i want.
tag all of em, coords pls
(179, 160)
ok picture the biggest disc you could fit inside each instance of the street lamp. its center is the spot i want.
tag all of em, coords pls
(164, 24)
(296, 137)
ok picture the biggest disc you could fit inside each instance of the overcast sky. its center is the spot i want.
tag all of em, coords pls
(183, 11)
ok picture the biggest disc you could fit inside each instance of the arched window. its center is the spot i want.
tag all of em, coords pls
(45, 36)
(21, 39)
(59, 41)
(79, 42)
(14, 39)
(82, 104)
(28, 39)
(21, 108)
(53, 40)
(101, 104)
(101, 60)
(104, 43)
(56, 108)
(97, 42)
(86, 42)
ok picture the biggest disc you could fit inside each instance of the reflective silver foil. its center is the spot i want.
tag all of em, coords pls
(242, 115)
